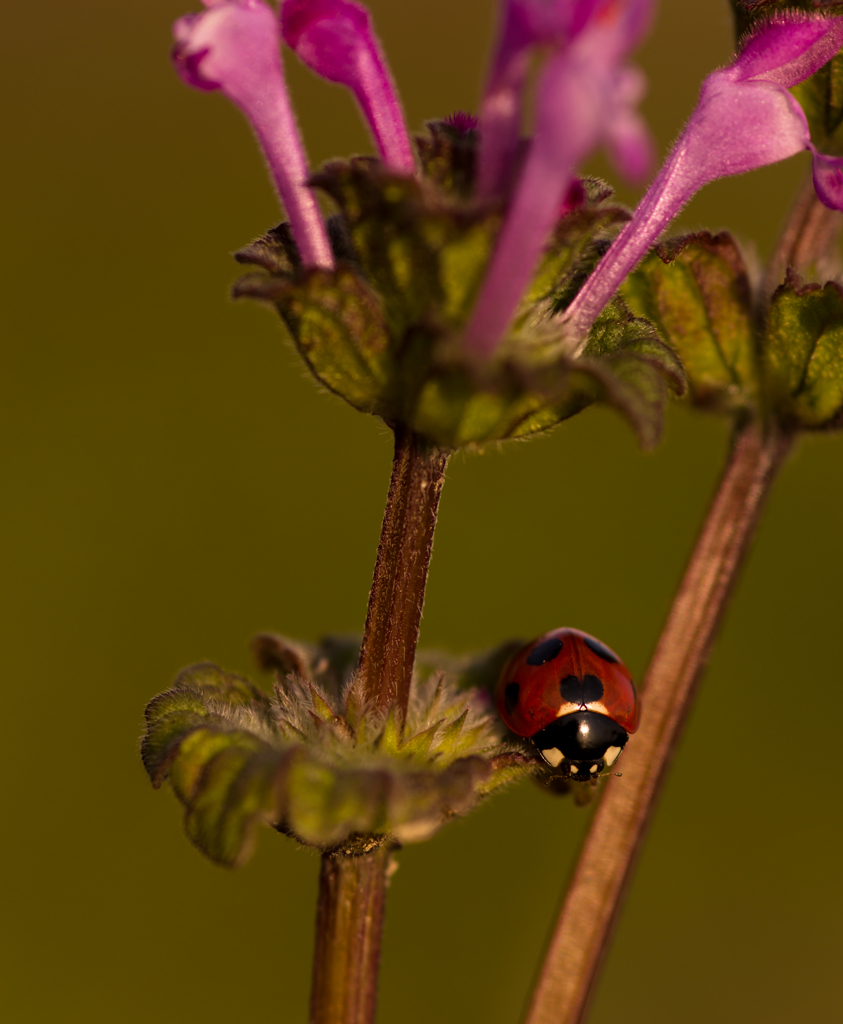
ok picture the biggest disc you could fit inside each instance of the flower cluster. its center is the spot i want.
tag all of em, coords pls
(431, 297)
(586, 95)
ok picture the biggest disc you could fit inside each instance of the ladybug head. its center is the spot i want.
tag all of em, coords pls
(581, 745)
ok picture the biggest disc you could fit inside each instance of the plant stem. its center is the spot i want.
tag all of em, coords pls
(397, 595)
(808, 241)
(352, 888)
(610, 850)
(349, 922)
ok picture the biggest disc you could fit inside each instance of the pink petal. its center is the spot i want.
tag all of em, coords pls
(234, 46)
(738, 127)
(585, 96)
(335, 39)
(627, 136)
(789, 48)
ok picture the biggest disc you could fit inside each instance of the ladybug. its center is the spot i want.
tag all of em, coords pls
(574, 698)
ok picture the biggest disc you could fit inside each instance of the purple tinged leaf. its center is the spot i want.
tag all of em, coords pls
(233, 46)
(335, 39)
(586, 96)
(745, 119)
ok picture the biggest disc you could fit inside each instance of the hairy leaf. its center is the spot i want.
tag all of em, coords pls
(319, 764)
(696, 291)
(803, 353)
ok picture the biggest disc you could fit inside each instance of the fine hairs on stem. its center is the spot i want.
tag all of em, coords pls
(352, 885)
(400, 577)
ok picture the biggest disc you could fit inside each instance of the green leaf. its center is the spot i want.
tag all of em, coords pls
(424, 257)
(803, 353)
(418, 746)
(456, 408)
(509, 767)
(172, 715)
(338, 326)
(197, 748)
(452, 731)
(321, 708)
(210, 680)
(533, 385)
(238, 790)
(696, 291)
(389, 741)
(419, 802)
(324, 806)
(636, 389)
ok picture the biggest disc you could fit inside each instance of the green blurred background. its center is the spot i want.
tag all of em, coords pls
(173, 483)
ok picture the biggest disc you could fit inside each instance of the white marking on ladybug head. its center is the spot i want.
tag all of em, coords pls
(611, 755)
(593, 769)
(574, 769)
(566, 709)
(553, 756)
(595, 705)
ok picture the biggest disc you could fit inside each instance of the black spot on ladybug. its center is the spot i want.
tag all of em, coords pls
(580, 691)
(510, 697)
(544, 652)
(600, 650)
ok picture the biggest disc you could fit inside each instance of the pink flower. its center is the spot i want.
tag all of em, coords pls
(335, 39)
(233, 46)
(586, 96)
(745, 118)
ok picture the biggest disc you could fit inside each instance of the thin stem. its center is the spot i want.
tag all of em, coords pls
(809, 240)
(349, 923)
(610, 851)
(397, 595)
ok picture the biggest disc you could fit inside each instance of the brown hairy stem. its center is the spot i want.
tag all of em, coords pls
(610, 851)
(352, 886)
(349, 922)
(397, 595)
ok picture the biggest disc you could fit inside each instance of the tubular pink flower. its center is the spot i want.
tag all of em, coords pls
(335, 39)
(234, 47)
(745, 118)
(586, 96)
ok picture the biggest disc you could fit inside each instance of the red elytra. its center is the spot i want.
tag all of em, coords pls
(561, 672)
